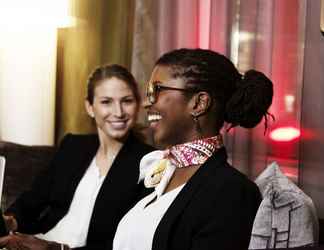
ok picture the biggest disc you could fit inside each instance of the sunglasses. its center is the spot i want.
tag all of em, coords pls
(153, 90)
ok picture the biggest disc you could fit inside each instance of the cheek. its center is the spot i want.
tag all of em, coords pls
(175, 108)
(132, 110)
(102, 111)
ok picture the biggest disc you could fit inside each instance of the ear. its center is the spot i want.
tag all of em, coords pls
(201, 103)
(89, 108)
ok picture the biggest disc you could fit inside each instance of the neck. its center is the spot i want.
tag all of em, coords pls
(107, 152)
(209, 126)
(195, 136)
(108, 146)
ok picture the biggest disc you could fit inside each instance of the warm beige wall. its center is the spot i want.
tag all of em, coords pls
(102, 35)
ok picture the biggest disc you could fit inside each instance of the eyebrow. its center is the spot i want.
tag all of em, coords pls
(112, 97)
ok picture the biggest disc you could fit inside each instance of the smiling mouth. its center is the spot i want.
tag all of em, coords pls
(153, 117)
(118, 124)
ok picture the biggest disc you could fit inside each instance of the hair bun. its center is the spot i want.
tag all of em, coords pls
(251, 100)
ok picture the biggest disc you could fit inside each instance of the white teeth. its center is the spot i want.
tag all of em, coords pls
(154, 117)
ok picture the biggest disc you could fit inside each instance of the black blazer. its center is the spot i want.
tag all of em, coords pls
(49, 199)
(214, 210)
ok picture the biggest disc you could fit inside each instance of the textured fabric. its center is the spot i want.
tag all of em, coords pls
(195, 152)
(286, 217)
(23, 164)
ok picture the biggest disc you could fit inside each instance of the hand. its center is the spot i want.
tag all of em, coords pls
(11, 223)
(9, 242)
(20, 241)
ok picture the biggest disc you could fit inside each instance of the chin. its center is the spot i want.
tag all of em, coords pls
(118, 135)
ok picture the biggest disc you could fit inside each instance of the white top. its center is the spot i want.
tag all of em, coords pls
(136, 229)
(73, 228)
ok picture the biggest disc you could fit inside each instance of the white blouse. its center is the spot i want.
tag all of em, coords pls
(73, 228)
(136, 229)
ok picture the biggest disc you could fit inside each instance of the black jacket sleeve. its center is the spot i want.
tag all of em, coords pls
(29, 207)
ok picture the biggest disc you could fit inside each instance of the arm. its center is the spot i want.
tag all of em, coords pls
(30, 205)
(29, 242)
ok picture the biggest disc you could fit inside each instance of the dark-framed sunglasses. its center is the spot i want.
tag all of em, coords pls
(153, 90)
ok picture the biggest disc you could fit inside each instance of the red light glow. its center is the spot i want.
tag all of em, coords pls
(285, 134)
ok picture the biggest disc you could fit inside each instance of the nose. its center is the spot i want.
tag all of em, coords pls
(146, 103)
(118, 110)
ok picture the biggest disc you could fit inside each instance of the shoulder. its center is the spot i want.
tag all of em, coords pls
(74, 138)
(235, 181)
(75, 149)
(220, 172)
(235, 176)
(221, 179)
(224, 191)
(77, 141)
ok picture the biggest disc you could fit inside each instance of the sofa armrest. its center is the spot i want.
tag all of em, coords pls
(23, 164)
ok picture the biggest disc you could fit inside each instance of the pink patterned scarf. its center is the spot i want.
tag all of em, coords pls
(194, 152)
(157, 167)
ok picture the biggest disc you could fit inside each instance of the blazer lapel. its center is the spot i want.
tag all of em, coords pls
(120, 165)
(86, 150)
(118, 179)
(161, 236)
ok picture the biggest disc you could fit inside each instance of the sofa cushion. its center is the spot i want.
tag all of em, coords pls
(286, 217)
(23, 164)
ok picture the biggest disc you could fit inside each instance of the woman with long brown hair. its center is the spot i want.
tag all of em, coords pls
(92, 180)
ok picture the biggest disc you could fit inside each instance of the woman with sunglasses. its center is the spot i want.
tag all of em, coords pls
(200, 201)
(92, 180)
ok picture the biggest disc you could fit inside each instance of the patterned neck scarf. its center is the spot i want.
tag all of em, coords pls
(195, 152)
(157, 167)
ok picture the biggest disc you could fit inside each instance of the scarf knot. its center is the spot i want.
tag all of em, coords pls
(157, 167)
